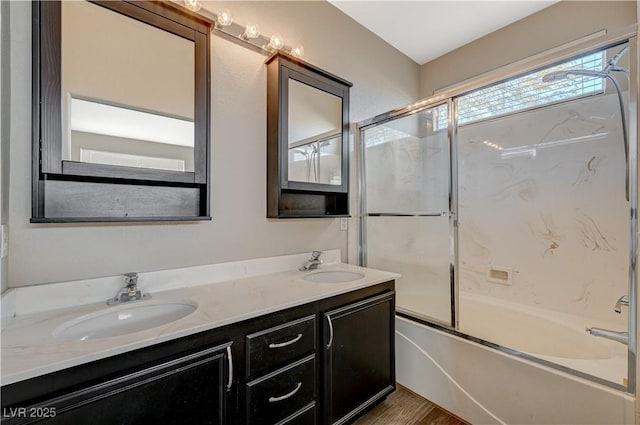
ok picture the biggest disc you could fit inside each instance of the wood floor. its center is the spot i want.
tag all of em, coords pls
(404, 407)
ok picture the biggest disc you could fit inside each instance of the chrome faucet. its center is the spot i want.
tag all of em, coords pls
(129, 292)
(313, 262)
(623, 300)
(621, 337)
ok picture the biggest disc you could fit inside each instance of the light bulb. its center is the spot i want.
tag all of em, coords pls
(298, 51)
(192, 5)
(276, 42)
(224, 18)
(250, 31)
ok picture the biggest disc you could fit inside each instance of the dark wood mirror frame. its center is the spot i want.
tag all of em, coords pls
(293, 199)
(70, 191)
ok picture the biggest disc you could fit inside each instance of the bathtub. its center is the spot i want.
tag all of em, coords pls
(552, 336)
(484, 385)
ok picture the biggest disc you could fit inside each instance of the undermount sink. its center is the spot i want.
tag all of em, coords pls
(333, 276)
(124, 319)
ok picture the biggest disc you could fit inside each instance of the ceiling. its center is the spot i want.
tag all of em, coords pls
(427, 29)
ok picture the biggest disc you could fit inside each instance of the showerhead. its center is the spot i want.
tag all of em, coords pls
(561, 75)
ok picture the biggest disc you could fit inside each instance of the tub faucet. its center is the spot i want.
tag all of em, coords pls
(623, 300)
(313, 262)
(621, 337)
(129, 292)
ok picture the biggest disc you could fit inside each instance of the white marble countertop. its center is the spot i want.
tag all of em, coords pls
(29, 348)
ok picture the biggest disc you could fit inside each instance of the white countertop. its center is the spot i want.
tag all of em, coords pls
(29, 348)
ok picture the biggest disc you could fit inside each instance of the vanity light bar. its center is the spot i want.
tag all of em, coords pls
(245, 35)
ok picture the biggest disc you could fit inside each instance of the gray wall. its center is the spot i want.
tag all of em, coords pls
(383, 79)
(558, 24)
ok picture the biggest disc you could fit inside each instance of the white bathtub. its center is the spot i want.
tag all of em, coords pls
(553, 336)
(486, 386)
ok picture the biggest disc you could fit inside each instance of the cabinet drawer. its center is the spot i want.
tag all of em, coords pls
(277, 346)
(278, 395)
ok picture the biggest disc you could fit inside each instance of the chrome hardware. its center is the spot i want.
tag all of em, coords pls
(230, 361)
(286, 396)
(330, 332)
(284, 344)
(313, 262)
(131, 278)
(621, 337)
(129, 291)
(623, 300)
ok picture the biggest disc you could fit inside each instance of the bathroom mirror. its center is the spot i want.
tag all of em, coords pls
(307, 130)
(121, 112)
(115, 111)
(314, 135)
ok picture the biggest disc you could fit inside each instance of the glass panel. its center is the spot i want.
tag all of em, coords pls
(317, 162)
(544, 231)
(407, 172)
(418, 249)
(329, 161)
(128, 90)
(315, 135)
(407, 165)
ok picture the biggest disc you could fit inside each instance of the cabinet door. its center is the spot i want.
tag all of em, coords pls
(187, 390)
(359, 363)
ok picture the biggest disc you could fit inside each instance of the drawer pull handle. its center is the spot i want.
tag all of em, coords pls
(284, 344)
(286, 396)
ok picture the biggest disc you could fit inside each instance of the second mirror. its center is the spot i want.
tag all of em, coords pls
(308, 127)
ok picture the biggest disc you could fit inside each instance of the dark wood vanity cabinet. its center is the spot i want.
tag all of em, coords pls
(319, 363)
(359, 361)
(190, 388)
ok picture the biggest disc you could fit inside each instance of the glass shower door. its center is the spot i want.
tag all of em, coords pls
(406, 220)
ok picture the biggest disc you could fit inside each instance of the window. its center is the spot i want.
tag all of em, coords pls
(129, 160)
(529, 91)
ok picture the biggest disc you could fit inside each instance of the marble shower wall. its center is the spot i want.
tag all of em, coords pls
(542, 193)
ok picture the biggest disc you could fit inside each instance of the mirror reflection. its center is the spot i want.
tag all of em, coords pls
(314, 135)
(128, 91)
